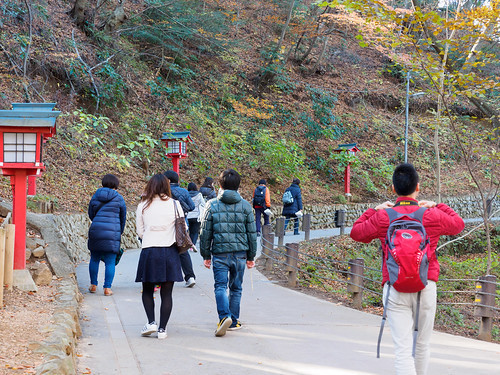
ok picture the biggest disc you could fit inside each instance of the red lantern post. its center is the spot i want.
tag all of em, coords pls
(22, 133)
(352, 150)
(176, 147)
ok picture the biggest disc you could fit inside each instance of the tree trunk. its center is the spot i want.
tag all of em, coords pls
(283, 32)
(78, 12)
(323, 49)
(117, 18)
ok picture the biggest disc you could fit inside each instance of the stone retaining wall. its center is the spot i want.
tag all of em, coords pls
(74, 227)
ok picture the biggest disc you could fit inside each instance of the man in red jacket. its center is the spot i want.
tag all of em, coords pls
(438, 219)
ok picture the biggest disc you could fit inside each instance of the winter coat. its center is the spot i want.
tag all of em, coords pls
(267, 198)
(208, 193)
(199, 203)
(108, 213)
(437, 221)
(228, 226)
(182, 195)
(297, 201)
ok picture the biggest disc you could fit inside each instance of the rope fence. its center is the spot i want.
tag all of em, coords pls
(299, 267)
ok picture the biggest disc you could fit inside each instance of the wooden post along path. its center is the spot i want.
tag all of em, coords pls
(355, 281)
(485, 299)
(292, 256)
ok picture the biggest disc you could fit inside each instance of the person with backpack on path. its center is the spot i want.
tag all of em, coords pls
(292, 204)
(261, 203)
(187, 204)
(409, 231)
(228, 241)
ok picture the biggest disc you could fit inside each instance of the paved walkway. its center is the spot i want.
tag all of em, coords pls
(285, 332)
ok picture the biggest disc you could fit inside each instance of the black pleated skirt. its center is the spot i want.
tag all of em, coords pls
(158, 265)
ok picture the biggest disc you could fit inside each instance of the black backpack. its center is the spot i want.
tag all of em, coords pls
(259, 197)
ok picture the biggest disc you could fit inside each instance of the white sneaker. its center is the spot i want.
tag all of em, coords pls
(190, 282)
(162, 334)
(149, 329)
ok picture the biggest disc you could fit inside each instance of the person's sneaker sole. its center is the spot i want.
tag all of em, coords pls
(235, 328)
(221, 330)
(152, 329)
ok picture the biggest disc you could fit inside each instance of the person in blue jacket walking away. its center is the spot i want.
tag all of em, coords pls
(290, 209)
(108, 213)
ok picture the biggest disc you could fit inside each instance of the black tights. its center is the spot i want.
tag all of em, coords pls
(166, 301)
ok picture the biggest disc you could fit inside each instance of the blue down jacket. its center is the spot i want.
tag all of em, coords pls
(108, 213)
(297, 201)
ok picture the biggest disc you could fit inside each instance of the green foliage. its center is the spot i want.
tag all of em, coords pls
(172, 92)
(86, 133)
(475, 243)
(324, 124)
(113, 88)
(281, 157)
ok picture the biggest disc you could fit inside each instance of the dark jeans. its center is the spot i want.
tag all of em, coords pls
(187, 266)
(228, 270)
(194, 230)
(295, 223)
(258, 212)
(109, 262)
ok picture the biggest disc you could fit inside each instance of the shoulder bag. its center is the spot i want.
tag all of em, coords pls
(182, 239)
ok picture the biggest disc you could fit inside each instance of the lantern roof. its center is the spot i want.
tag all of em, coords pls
(181, 136)
(29, 115)
(347, 147)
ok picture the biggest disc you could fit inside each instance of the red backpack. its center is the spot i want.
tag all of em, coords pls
(407, 251)
(407, 260)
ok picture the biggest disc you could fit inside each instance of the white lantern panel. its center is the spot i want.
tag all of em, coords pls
(19, 147)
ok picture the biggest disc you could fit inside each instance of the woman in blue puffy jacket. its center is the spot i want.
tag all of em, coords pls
(108, 213)
(290, 210)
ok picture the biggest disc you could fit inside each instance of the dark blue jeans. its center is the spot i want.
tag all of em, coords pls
(295, 222)
(109, 262)
(194, 230)
(228, 271)
(259, 211)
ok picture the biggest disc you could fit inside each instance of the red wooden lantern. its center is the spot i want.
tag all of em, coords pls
(176, 146)
(351, 149)
(23, 131)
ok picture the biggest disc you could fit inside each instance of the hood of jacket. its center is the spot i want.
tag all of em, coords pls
(193, 193)
(229, 196)
(105, 194)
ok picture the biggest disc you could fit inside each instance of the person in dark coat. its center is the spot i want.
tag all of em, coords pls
(182, 195)
(290, 211)
(108, 213)
(207, 189)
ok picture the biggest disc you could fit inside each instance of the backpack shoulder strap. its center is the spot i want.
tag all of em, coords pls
(419, 214)
(393, 214)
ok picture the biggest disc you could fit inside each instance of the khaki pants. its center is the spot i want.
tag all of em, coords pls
(401, 312)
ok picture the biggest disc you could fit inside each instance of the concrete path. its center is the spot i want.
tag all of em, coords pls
(285, 332)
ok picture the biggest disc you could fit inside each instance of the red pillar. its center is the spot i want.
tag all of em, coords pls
(31, 185)
(175, 164)
(347, 179)
(18, 182)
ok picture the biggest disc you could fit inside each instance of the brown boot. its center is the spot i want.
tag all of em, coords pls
(92, 288)
(108, 292)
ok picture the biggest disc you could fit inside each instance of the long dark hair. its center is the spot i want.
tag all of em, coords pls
(159, 186)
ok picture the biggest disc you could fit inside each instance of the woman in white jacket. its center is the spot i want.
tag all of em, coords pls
(159, 262)
(194, 217)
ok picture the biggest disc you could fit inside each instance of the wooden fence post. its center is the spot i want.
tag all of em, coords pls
(355, 281)
(2, 263)
(485, 297)
(9, 255)
(306, 226)
(292, 255)
(279, 231)
(265, 243)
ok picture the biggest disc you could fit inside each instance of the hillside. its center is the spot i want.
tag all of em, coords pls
(124, 72)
